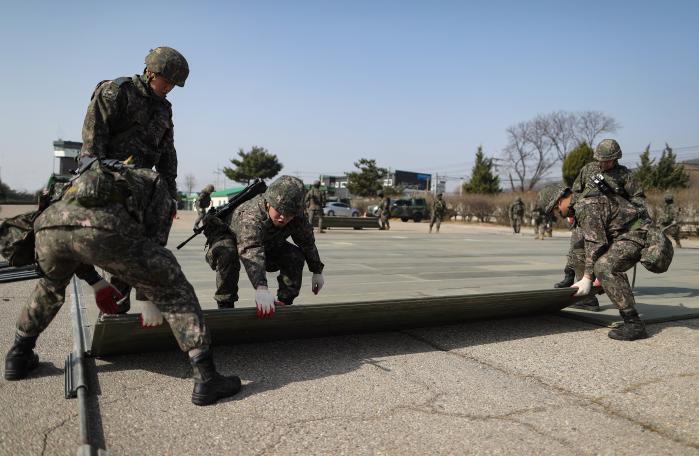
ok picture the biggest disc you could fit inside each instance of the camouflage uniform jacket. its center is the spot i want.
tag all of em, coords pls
(385, 207)
(669, 214)
(202, 202)
(315, 198)
(439, 207)
(144, 207)
(517, 210)
(620, 177)
(126, 118)
(538, 214)
(255, 233)
(604, 220)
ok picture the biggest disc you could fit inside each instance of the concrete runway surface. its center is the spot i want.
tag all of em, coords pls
(536, 385)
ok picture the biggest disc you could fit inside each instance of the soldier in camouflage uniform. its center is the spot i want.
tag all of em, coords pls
(202, 203)
(621, 182)
(670, 221)
(516, 214)
(118, 220)
(549, 221)
(131, 117)
(256, 234)
(384, 212)
(538, 220)
(439, 207)
(613, 232)
(315, 202)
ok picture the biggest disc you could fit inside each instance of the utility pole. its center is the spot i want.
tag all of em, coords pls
(218, 173)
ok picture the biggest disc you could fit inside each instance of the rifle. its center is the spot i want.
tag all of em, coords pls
(257, 187)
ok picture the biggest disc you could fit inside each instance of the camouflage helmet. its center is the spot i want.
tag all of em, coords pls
(208, 189)
(518, 199)
(286, 195)
(549, 196)
(607, 149)
(316, 183)
(668, 198)
(168, 62)
(439, 195)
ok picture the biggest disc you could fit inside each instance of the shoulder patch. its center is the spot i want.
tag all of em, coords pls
(110, 92)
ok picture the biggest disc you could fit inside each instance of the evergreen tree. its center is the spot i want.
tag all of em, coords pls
(256, 163)
(644, 172)
(575, 160)
(368, 180)
(482, 178)
(667, 173)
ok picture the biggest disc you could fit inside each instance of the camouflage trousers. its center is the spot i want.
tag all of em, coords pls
(140, 262)
(674, 233)
(516, 224)
(539, 228)
(315, 214)
(200, 217)
(611, 269)
(383, 219)
(436, 219)
(576, 262)
(285, 257)
(222, 257)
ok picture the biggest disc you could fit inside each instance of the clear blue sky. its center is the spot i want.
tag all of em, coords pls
(415, 85)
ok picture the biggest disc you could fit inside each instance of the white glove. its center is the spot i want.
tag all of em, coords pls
(150, 315)
(264, 300)
(583, 285)
(317, 283)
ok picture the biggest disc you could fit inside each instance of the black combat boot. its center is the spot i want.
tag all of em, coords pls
(633, 327)
(588, 303)
(21, 358)
(568, 279)
(225, 304)
(209, 385)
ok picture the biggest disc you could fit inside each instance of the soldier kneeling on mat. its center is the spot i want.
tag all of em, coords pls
(117, 218)
(614, 235)
(255, 233)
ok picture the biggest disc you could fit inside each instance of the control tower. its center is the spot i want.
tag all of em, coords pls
(65, 153)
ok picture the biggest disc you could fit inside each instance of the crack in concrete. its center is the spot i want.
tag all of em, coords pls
(635, 386)
(50, 430)
(579, 397)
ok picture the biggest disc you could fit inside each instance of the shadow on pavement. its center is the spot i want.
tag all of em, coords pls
(674, 291)
(271, 365)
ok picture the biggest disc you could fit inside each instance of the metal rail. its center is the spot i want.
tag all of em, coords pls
(15, 274)
(76, 384)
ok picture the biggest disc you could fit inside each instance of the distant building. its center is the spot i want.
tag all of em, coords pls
(336, 186)
(411, 181)
(692, 168)
(65, 154)
(222, 196)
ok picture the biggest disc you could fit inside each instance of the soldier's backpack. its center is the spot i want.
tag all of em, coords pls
(657, 254)
(17, 239)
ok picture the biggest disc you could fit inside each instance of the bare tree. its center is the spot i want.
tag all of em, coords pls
(591, 124)
(189, 182)
(527, 154)
(517, 154)
(559, 128)
(541, 145)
